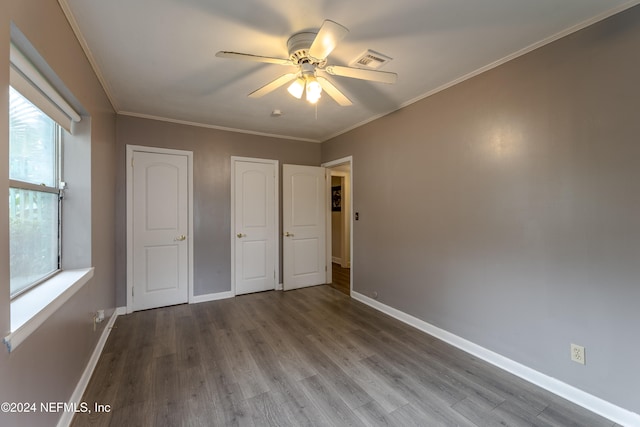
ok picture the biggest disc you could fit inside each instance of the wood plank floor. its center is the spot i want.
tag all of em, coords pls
(310, 357)
(341, 278)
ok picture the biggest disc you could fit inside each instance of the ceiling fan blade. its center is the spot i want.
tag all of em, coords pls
(254, 58)
(334, 92)
(326, 40)
(270, 87)
(357, 73)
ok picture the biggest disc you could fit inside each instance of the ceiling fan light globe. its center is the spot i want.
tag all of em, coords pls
(313, 88)
(312, 98)
(296, 88)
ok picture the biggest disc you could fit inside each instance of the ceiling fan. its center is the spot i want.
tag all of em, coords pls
(308, 52)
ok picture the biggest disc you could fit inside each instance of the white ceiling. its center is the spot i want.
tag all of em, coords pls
(156, 58)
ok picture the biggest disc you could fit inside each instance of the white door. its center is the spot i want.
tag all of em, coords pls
(160, 229)
(304, 226)
(254, 231)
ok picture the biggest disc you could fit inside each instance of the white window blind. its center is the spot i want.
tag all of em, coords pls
(27, 80)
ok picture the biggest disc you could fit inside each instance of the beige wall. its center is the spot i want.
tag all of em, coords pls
(212, 151)
(48, 365)
(506, 209)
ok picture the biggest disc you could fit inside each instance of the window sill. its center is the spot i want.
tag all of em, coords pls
(33, 308)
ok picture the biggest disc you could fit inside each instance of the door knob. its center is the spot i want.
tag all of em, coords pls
(180, 238)
(287, 234)
(240, 235)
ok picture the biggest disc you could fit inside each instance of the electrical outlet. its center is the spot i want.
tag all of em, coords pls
(577, 354)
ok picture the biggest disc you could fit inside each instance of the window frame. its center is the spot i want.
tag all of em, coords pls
(43, 188)
(30, 75)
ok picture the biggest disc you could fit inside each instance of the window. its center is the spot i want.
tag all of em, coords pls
(34, 195)
(47, 266)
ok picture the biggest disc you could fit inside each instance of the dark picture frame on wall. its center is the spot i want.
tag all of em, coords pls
(336, 198)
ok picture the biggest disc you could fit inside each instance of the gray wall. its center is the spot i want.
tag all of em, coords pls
(506, 209)
(212, 151)
(47, 366)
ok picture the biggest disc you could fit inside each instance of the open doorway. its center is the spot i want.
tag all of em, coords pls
(340, 224)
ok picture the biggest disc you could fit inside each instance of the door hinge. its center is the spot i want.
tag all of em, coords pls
(133, 291)
(132, 162)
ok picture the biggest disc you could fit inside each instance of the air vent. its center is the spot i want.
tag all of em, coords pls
(371, 60)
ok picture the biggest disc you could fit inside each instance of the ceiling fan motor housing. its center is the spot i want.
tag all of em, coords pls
(298, 45)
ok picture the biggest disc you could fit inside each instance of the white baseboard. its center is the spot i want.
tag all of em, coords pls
(67, 416)
(595, 404)
(211, 297)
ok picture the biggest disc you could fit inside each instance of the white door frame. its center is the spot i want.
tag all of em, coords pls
(276, 229)
(344, 160)
(189, 154)
(346, 194)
